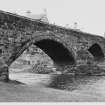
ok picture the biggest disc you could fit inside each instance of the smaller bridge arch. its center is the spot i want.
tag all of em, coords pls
(96, 51)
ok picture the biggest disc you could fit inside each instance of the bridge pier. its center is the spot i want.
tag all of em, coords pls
(4, 71)
(4, 75)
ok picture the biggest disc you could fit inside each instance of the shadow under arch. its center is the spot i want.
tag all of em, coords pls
(96, 52)
(59, 54)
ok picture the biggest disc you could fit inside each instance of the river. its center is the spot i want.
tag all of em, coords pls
(63, 87)
(91, 85)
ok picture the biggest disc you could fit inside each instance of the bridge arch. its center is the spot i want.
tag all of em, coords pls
(53, 46)
(96, 51)
(56, 51)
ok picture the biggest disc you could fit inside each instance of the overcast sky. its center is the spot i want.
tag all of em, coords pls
(89, 14)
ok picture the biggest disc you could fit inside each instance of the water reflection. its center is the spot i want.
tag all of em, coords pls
(87, 84)
(61, 81)
(70, 82)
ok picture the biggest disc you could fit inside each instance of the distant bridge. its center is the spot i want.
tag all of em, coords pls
(64, 46)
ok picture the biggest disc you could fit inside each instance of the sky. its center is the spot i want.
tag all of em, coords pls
(89, 14)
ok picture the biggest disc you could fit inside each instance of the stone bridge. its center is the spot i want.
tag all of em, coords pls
(64, 46)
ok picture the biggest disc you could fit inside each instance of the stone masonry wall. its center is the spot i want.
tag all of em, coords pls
(16, 31)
